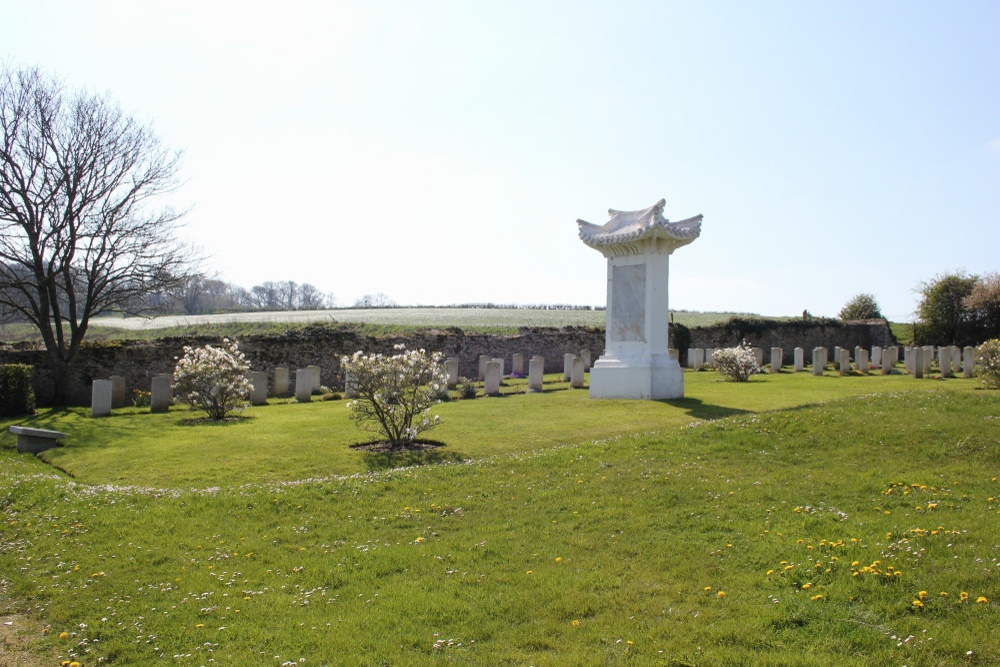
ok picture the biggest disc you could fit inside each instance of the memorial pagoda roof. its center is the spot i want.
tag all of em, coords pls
(626, 228)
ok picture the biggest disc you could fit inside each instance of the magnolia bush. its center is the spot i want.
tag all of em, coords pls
(213, 379)
(988, 360)
(395, 393)
(736, 364)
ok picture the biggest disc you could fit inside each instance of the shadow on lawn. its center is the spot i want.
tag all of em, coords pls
(387, 460)
(699, 410)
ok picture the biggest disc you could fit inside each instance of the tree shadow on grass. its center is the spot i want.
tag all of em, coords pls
(694, 407)
(208, 421)
(432, 452)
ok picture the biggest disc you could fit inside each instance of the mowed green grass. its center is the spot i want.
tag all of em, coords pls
(556, 530)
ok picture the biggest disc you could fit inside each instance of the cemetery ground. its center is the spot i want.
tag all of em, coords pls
(791, 520)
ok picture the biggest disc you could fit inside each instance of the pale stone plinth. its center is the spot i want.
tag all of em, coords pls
(928, 358)
(696, 358)
(894, 355)
(836, 355)
(876, 357)
(908, 357)
(100, 398)
(568, 365)
(576, 373)
(819, 360)
(886, 362)
(494, 374)
(637, 245)
(968, 361)
(350, 386)
(857, 351)
(799, 360)
(674, 354)
(758, 354)
(777, 356)
(536, 373)
(845, 361)
(862, 360)
(517, 364)
(710, 357)
(956, 359)
(258, 391)
(161, 393)
(944, 362)
(315, 370)
(483, 360)
(303, 385)
(451, 368)
(586, 359)
(281, 381)
(917, 362)
(34, 440)
(117, 391)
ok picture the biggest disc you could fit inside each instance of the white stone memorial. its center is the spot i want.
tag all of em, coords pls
(968, 361)
(568, 365)
(536, 373)
(696, 358)
(100, 398)
(862, 360)
(586, 359)
(281, 381)
(258, 392)
(928, 358)
(577, 373)
(819, 360)
(710, 357)
(777, 356)
(160, 393)
(917, 362)
(451, 367)
(493, 377)
(350, 386)
(800, 359)
(483, 360)
(117, 391)
(316, 380)
(876, 356)
(944, 362)
(637, 246)
(517, 364)
(303, 385)
(845, 361)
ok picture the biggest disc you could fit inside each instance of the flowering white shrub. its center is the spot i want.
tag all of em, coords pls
(736, 364)
(213, 379)
(395, 393)
(988, 361)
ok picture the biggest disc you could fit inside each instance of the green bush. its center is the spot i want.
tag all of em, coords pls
(17, 396)
(861, 307)
(988, 360)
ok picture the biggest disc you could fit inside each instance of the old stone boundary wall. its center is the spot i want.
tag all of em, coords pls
(140, 361)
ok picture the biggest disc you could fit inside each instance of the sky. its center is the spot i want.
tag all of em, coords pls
(440, 152)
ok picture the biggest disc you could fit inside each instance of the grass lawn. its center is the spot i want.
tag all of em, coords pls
(792, 520)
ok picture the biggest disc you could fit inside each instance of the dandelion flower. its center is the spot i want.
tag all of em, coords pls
(806, 587)
(922, 594)
(982, 600)
(63, 635)
(575, 623)
(816, 597)
(770, 572)
(721, 594)
(917, 604)
(708, 588)
(963, 596)
(559, 559)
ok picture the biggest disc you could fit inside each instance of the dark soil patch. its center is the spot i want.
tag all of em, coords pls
(384, 447)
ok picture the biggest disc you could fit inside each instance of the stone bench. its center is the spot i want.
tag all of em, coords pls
(35, 440)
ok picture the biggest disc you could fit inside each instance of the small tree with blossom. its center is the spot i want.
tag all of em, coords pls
(736, 364)
(988, 361)
(395, 392)
(213, 379)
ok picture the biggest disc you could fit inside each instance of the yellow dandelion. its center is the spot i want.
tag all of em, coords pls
(943, 594)
(806, 587)
(630, 642)
(816, 597)
(575, 623)
(770, 572)
(200, 625)
(708, 588)
(721, 594)
(922, 594)
(982, 600)
(419, 540)
(559, 559)
(963, 596)
(917, 604)
(63, 635)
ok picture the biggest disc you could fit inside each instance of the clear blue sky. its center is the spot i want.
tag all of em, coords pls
(441, 152)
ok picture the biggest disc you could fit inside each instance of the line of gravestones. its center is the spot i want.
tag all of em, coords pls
(110, 394)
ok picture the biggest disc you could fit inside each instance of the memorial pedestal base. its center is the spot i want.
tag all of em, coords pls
(658, 377)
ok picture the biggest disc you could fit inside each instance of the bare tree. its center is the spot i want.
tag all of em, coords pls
(80, 232)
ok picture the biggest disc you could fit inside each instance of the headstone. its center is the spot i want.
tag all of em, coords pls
(281, 381)
(968, 361)
(928, 358)
(160, 393)
(536, 373)
(483, 360)
(517, 364)
(576, 373)
(696, 356)
(258, 393)
(876, 356)
(758, 354)
(586, 359)
(917, 360)
(316, 379)
(894, 355)
(117, 391)
(350, 386)
(303, 385)
(500, 361)
(862, 360)
(836, 355)
(944, 362)
(494, 374)
(845, 361)
(956, 359)
(100, 398)
(819, 360)
(568, 366)
(908, 357)
(451, 367)
(777, 356)
(857, 351)
(674, 354)
(710, 357)
(800, 359)
(886, 362)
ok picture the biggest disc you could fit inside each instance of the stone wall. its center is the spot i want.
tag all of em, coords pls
(323, 345)
(790, 334)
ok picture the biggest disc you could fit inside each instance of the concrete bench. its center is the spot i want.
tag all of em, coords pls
(35, 440)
